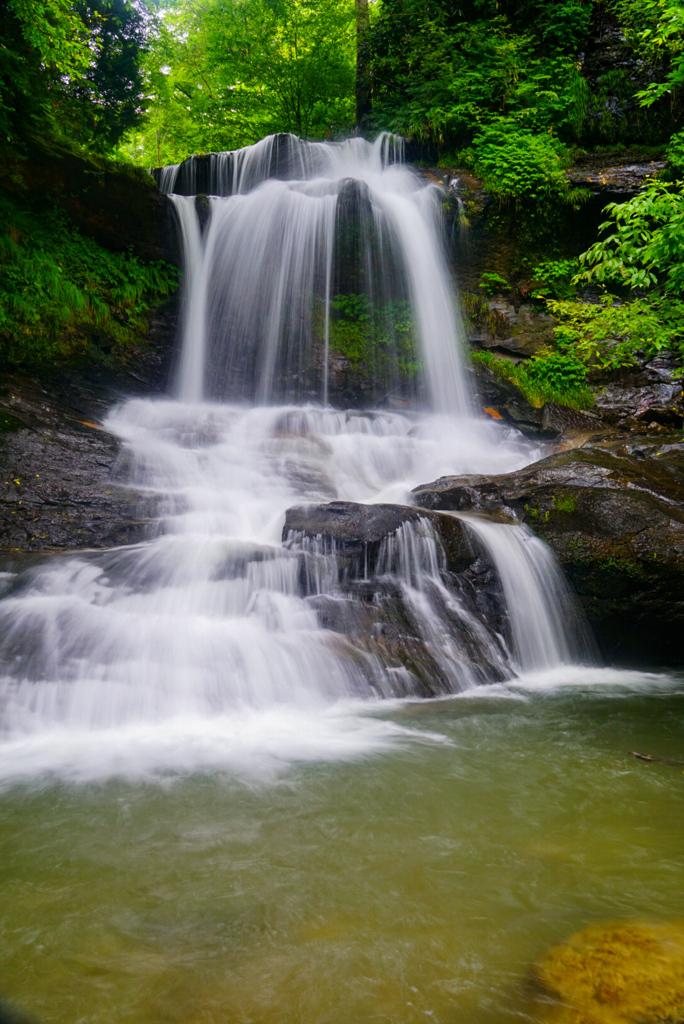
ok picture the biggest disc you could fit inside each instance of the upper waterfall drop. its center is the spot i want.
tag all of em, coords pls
(296, 232)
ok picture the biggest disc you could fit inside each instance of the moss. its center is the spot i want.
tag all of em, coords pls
(617, 974)
(621, 567)
(565, 504)
(538, 515)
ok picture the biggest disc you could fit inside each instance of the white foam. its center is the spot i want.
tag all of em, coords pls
(255, 746)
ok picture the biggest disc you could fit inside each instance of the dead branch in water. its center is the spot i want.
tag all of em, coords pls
(658, 760)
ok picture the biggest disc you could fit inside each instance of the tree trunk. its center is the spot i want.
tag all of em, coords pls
(363, 99)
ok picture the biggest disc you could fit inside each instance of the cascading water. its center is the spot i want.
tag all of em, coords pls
(347, 217)
(204, 641)
(547, 627)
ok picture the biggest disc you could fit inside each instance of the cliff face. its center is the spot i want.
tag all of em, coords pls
(119, 206)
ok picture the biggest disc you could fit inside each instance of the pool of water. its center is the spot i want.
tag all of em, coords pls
(413, 879)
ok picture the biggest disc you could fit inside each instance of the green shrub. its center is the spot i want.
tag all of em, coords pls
(521, 164)
(557, 371)
(552, 279)
(642, 247)
(493, 283)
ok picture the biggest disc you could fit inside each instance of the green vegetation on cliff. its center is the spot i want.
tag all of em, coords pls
(62, 295)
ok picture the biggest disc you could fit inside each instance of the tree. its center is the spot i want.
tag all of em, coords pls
(224, 73)
(71, 68)
(363, 41)
(106, 99)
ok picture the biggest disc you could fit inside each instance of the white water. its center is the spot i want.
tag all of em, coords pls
(546, 627)
(267, 261)
(200, 647)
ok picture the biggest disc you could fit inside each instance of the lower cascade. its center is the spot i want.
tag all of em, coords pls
(287, 572)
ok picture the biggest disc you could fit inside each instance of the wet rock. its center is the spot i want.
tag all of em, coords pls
(58, 489)
(616, 179)
(624, 973)
(121, 208)
(359, 570)
(562, 420)
(639, 396)
(613, 513)
(523, 331)
(502, 398)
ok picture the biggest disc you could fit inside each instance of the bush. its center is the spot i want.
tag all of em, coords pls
(552, 279)
(518, 164)
(642, 246)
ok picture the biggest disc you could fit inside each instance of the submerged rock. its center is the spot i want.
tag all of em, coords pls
(613, 513)
(624, 973)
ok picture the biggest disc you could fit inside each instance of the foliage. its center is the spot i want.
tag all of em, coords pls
(657, 27)
(611, 333)
(106, 100)
(229, 72)
(493, 283)
(553, 279)
(550, 376)
(379, 342)
(519, 164)
(644, 247)
(61, 294)
(442, 78)
(71, 69)
(54, 30)
(675, 154)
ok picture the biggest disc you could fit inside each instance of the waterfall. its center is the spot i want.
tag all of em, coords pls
(167, 652)
(292, 224)
(191, 367)
(547, 626)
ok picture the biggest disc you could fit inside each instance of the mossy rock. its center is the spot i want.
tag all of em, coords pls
(617, 974)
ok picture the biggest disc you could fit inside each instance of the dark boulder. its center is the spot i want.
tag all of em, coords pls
(641, 396)
(613, 513)
(357, 531)
(370, 600)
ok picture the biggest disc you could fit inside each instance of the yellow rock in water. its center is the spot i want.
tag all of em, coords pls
(617, 974)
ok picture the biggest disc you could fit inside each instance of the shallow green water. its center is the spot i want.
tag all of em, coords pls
(416, 884)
